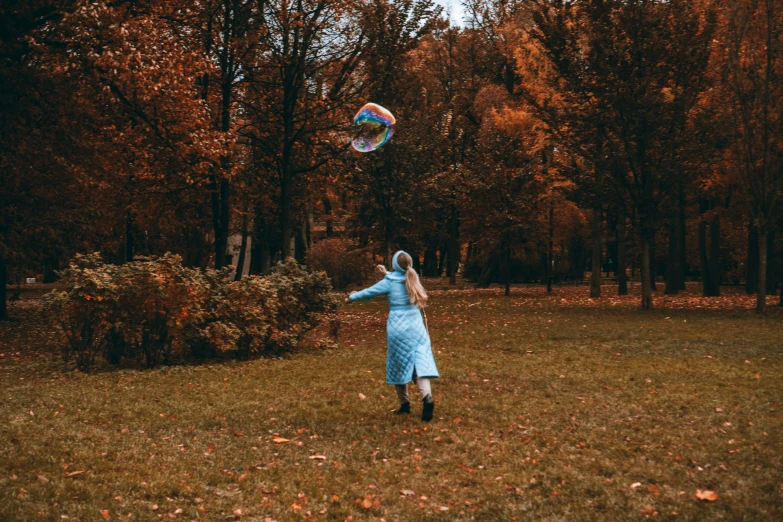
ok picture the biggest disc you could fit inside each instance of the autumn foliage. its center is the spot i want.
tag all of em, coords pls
(159, 311)
(626, 140)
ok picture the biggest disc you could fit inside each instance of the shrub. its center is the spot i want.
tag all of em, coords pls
(155, 311)
(342, 260)
(244, 317)
(158, 301)
(82, 310)
(304, 300)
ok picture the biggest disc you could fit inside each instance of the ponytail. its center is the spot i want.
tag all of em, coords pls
(416, 291)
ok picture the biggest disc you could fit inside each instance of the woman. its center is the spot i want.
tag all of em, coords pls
(409, 353)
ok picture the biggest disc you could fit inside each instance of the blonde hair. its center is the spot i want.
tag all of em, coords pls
(416, 292)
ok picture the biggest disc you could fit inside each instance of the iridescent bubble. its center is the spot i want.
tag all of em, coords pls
(374, 127)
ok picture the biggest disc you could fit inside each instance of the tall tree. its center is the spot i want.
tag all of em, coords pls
(752, 66)
(301, 83)
(615, 73)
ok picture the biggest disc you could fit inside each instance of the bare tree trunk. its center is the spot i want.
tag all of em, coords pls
(714, 261)
(328, 213)
(752, 277)
(683, 250)
(550, 247)
(309, 229)
(128, 237)
(595, 274)
(653, 264)
(622, 276)
(3, 290)
(442, 260)
(285, 208)
(647, 302)
(761, 295)
(772, 275)
(673, 258)
(705, 268)
(430, 260)
(242, 250)
(454, 253)
(507, 269)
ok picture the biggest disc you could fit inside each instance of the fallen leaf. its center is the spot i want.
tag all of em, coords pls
(74, 473)
(649, 510)
(105, 513)
(362, 396)
(279, 440)
(238, 512)
(43, 479)
(407, 492)
(654, 489)
(635, 485)
(706, 494)
(368, 502)
(242, 477)
(317, 457)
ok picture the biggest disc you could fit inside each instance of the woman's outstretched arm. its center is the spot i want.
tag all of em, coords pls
(379, 288)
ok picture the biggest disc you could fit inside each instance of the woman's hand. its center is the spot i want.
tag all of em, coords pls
(348, 299)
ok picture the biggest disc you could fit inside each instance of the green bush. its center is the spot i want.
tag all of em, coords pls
(243, 318)
(83, 309)
(342, 260)
(304, 300)
(158, 311)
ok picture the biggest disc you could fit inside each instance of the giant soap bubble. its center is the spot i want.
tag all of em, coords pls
(374, 127)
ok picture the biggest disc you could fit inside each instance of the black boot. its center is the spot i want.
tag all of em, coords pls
(404, 408)
(429, 407)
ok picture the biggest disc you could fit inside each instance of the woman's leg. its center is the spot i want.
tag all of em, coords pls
(402, 394)
(425, 389)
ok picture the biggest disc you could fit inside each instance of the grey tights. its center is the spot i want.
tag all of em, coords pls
(425, 389)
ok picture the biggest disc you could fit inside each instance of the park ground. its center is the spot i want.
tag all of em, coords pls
(549, 408)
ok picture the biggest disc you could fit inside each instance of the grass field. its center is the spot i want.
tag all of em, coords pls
(549, 408)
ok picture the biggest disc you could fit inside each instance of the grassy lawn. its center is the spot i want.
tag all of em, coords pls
(549, 408)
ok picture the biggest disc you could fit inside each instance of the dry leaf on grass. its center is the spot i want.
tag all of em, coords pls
(105, 513)
(279, 440)
(407, 492)
(706, 494)
(368, 502)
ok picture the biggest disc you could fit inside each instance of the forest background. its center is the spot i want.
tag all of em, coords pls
(537, 140)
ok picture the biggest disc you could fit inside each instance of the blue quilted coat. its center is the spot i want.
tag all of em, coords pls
(408, 341)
